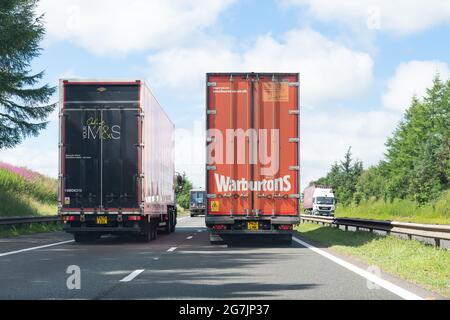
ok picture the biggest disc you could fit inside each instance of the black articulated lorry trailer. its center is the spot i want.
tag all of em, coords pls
(116, 166)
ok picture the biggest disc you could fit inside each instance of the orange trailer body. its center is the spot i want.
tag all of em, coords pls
(252, 169)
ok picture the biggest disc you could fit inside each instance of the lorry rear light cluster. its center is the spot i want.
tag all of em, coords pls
(134, 218)
(69, 218)
(219, 227)
(285, 227)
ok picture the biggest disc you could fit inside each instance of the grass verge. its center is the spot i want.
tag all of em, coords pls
(411, 260)
(26, 193)
(29, 229)
(400, 210)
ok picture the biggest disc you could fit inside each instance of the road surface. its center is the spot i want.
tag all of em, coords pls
(182, 265)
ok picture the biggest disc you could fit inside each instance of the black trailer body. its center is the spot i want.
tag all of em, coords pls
(104, 160)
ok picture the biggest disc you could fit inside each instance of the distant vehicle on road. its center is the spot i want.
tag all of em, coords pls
(197, 202)
(116, 160)
(319, 200)
(253, 147)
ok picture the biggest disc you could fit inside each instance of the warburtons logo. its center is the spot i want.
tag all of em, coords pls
(226, 184)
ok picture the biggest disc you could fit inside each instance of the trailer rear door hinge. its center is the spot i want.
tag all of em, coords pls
(294, 112)
(294, 196)
(294, 84)
(211, 195)
(210, 167)
(210, 139)
(211, 84)
(211, 111)
(294, 140)
(295, 168)
(142, 175)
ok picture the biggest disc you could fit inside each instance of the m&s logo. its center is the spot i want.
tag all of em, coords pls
(95, 128)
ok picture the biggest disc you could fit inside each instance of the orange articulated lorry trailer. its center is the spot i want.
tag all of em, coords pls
(252, 151)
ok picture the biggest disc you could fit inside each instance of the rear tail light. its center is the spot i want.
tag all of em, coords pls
(69, 218)
(285, 227)
(134, 218)
(219, 227)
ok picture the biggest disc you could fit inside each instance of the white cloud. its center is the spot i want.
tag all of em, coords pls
(326, 137)
(31, 155)
(412, 78)
(400, 16)
(110, 27)
(329, 70)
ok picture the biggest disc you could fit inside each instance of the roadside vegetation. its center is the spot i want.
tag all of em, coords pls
(29, 229)
(26, 193)
(411, 260)
(412, 182)
(182, 194)
(406, 210)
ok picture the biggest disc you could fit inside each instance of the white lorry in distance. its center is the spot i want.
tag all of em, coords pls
(319, 200)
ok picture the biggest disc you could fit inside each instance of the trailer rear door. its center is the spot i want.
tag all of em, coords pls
(252, 144)
(100, 146)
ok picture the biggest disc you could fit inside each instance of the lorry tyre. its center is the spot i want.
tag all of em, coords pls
(85, 237)
(154, 229)
(174, 222)
(146, 234)
(215, 239)
(286, 239)
(168, 226)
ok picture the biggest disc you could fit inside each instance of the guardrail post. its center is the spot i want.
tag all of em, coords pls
(437, 242)
(357, 228)
(410, 236)
(346, 227)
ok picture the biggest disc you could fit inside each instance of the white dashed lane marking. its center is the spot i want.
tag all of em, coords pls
(132, 275)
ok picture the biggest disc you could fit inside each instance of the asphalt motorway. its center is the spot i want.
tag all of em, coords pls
(182, 265)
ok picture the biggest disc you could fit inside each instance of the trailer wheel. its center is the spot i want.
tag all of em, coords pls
(174, 223)
(169, 222)
(215, 239)
(146, 235)
(285, 239)
(85, 237)
(154, 228)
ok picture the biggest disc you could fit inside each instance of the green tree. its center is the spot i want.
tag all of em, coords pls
(371, 184)
(182, 192)
(23, 102)
(418, 151)
(343, 177)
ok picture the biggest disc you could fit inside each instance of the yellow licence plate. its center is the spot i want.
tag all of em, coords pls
(252, 225)
(102, 220)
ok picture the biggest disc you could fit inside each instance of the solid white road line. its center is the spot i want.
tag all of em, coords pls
(172, 249)
(35, 248)
(132, 275)
(403, 293)
(189, 238)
